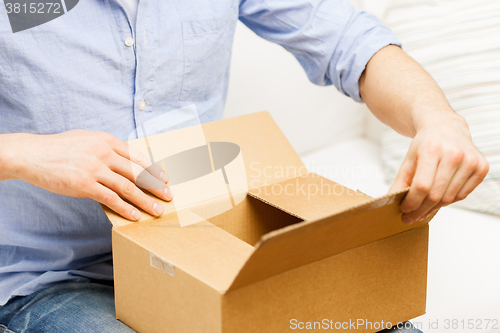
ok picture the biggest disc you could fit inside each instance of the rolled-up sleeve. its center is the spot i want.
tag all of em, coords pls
(332, 41)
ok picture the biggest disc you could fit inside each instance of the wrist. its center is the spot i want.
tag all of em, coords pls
(11, 164)
(438, 120)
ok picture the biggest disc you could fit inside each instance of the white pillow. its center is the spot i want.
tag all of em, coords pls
(458, 43)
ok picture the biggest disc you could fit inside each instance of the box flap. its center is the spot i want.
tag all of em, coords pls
(307, 242)
(202, 250)
(309, 196)
(219, 160)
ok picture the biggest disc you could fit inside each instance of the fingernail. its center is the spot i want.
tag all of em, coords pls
(136, 215)
(423, 218)
(426, 215)
(158, 209)
(168, 193)
(164, 177)
(407, 220)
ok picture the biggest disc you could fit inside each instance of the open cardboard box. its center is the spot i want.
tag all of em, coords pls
(253, 242)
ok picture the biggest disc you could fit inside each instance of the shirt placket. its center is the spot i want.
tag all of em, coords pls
(140, 42)
(144, 99)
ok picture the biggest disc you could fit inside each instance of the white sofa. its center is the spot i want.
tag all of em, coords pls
(338, 139)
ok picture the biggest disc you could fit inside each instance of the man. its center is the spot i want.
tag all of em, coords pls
(73, 89)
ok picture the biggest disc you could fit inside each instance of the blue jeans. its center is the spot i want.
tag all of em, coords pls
(71, 308)
(64, 307)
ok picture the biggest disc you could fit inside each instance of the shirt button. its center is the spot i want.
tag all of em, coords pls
(142, 105)
(129, 41)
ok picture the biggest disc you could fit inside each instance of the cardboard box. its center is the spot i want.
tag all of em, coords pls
(253, 242)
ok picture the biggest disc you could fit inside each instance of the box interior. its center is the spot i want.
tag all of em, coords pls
(251, 219)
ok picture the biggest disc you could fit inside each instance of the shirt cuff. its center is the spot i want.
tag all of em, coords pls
(378, 38)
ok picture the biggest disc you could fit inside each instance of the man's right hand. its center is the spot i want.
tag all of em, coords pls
(86, 164)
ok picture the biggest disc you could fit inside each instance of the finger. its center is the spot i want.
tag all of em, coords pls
(110, 199)
(474, 180)
(421, 184)
(445, 174)
(127, 190)
(137, 157)
(404, 176)
(463, 174)
(432, 212)
(141, 177)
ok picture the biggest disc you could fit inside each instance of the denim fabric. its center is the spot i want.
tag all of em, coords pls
(78, 72)
(77, 308)
(66, 308)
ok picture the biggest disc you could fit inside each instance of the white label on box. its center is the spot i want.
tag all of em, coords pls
(161, 264)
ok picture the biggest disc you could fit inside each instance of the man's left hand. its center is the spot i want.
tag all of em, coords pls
(442, 166)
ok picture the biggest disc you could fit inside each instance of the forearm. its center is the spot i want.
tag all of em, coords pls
(401, 94)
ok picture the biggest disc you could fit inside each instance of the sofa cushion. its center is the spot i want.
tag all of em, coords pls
(458, 43)
(354, 163)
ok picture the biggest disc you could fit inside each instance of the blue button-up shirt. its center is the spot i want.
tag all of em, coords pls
(77, 71)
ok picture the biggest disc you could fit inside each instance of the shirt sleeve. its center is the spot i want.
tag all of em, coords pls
(331, 40)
